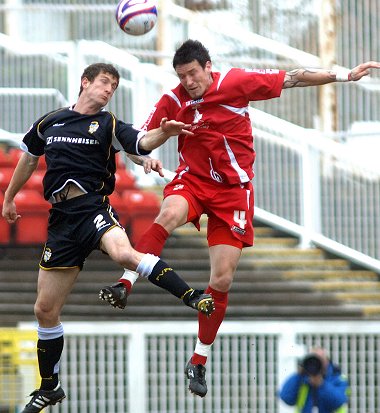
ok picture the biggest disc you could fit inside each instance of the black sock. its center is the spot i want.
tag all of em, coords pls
(165, 277)
(49, 353)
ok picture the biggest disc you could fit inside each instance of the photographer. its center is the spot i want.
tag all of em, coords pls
(317, 387)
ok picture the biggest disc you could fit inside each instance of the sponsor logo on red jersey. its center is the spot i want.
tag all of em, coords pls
(263, 71)
(194, 102)
(146, 123)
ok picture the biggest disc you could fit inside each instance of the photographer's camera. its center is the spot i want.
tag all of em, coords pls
(312, 365)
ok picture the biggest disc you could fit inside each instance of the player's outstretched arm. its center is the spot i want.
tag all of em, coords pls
(317, 77)
(156, 137)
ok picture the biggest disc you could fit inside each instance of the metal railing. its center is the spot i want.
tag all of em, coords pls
(254, 33)
(305, 182)
(139, 367)
(19, 103)
(317, 188)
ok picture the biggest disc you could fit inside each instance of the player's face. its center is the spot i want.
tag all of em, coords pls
(101, 89)
(194, 78)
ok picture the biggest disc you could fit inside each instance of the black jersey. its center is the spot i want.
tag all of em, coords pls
(80, 148)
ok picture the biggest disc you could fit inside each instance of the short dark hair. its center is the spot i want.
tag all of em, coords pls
(95, 69)
(189, 51)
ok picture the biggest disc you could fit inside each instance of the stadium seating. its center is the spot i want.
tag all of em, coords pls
(124, 180)
(5, 159)
(9, 158)
(31, 228)
(35, 181)
(42, 164)
(5, 177)
(143, 207)
(136, 209)
(120, 207)
(15, 154)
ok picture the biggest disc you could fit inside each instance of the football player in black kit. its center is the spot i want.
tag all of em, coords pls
(79, 144)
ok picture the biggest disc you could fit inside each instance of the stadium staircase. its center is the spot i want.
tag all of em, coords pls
(275, 280)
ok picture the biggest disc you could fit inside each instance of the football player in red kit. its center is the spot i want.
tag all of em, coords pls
(215, 171)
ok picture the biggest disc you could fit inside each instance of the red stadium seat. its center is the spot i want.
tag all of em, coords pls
(35, 181)
(5, 228)
(41, 164)
(5, 177)
(143, 207)
(31, 228)
(15, 154)
(120, 207)
(5, 159)
(124, 180)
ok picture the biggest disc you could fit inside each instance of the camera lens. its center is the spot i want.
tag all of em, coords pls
(312, 365)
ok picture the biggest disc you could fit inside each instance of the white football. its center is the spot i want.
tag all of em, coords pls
(136, 17)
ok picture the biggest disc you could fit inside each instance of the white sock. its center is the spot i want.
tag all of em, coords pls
(147, 264)
(129, 275)
(202, 349)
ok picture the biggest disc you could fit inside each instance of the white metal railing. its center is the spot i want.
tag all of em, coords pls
(312, 187)
(138, 366)
(317, 188)
(139, 88)
(256, 33)
(305, 183)
(19, 103)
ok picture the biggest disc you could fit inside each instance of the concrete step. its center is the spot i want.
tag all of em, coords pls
(247, 263)
(26, 279)
(294, 312)
(200, 241)
(282, 253)
(315, 275)
(250, 253)
(371, 311)
(359, 297)
(162, 298)
(103, 312)
(275, 280)
(351, 286)
(189, 229)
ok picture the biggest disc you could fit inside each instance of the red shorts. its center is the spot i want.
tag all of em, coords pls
(229, 208)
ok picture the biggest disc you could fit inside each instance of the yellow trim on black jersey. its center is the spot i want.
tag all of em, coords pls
(49, 114)
(110, 146)
(113, 133)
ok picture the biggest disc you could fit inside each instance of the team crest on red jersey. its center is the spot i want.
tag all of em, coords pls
(197, 116)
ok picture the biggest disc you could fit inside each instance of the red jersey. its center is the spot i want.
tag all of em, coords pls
(222, 145)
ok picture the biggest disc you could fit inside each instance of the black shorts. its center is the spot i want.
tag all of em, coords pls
(75, 229)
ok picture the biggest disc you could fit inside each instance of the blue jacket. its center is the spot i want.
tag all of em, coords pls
(330, 397)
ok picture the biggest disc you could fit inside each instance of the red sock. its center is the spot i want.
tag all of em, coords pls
(153, 240)
(127, 284)
(197, 359)
(209, 326)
